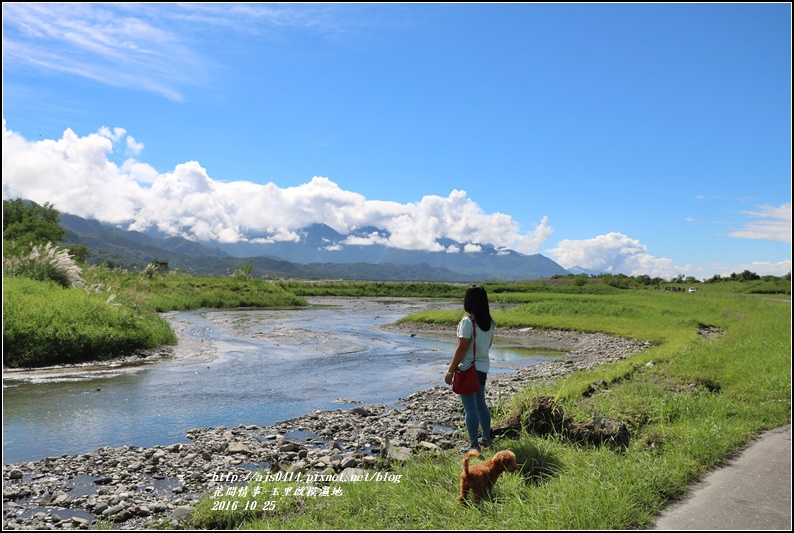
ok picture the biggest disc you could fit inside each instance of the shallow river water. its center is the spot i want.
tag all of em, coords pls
(236, 367)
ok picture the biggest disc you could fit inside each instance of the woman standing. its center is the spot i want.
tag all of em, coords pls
(475, 329)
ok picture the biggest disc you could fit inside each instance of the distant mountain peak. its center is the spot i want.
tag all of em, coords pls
(579, 270)
(362, 254)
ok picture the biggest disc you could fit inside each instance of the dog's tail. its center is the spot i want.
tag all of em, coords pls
(469, 454)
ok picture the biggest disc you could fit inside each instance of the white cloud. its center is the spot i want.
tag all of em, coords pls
(774, 224)
(614, 253)
(533, 240)
(150, 47)
(76, 176)
(139, 172)
(101, 42)
(116, 135)
(133, 148)
(368, 240)
(72, 171)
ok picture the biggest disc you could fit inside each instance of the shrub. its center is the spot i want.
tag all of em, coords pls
(47, 324)
(46, 262)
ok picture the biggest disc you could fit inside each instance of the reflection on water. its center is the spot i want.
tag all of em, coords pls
(234, 367)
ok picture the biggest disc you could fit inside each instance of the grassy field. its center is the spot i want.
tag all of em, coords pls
(689, 402)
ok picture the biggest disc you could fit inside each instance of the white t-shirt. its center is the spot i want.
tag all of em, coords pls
(483, 342)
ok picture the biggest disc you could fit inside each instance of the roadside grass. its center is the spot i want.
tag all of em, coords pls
(690, 402)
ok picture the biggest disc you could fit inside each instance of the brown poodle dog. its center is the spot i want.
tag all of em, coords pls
(481, 478)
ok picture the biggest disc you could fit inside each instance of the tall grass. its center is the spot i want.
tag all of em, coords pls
(45, 262)
(46, 324)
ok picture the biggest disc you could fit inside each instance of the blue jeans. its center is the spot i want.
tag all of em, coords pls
(477, 413)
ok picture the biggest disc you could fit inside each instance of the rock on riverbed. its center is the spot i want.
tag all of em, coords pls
(141, 487)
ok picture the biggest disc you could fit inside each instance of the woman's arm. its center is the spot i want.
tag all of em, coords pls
(460, 352)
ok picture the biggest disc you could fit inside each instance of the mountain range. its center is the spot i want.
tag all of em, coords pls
(320, 252)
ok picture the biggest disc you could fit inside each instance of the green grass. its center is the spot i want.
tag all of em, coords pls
(178, 291)
(642, 315)
(46, 324)
(689, 402)
(375, 289)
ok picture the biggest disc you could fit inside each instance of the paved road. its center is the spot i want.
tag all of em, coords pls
(752, 492)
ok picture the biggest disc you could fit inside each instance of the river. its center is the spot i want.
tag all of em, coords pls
(232, 367)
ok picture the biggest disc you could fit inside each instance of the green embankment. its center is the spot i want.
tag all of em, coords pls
(117, 314)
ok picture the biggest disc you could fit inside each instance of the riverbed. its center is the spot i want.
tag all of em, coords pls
(243, 366)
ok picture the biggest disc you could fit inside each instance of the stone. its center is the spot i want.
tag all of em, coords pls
(182, 513)
(101, 508)
(429, 446)
(238, 447)
(348, 463)
(398, 453)
(158, 456)
(288, 447)
(110, 511)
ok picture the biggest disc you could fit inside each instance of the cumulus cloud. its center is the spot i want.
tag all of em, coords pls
(773, 224)
(133, 148)
(614, 253)
(72, 171)
(76, 176)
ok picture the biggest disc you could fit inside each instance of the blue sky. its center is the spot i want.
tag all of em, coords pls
(635, 138)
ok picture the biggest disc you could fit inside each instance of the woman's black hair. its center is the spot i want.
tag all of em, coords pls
(476, 304)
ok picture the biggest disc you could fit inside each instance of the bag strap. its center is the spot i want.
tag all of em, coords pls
(474, 339)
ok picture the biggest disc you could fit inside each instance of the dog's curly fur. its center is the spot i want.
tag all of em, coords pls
(480, 478)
